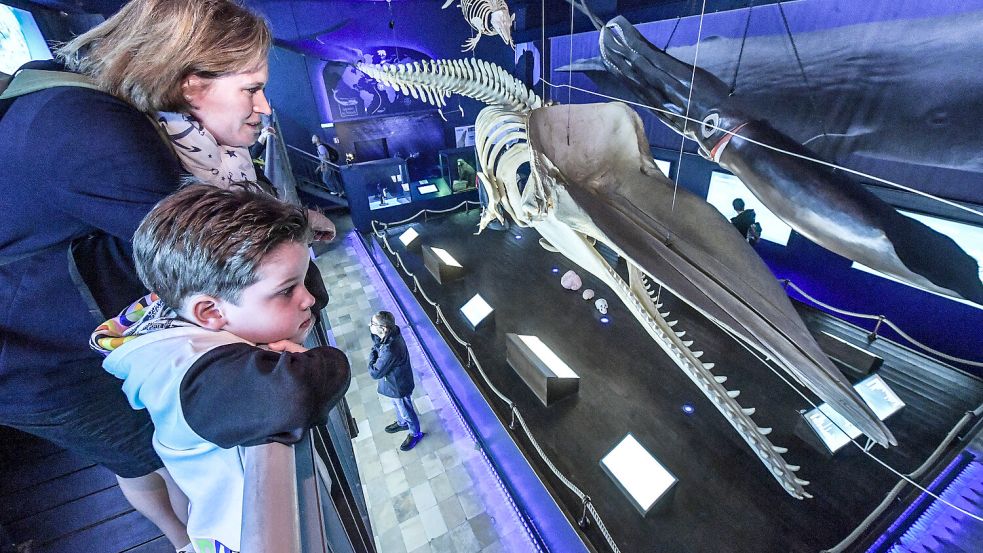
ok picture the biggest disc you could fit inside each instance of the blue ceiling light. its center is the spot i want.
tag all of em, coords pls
(605, 320)
(688, 408)
(556, 269)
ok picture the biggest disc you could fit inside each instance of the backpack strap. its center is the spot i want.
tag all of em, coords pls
(27, 81)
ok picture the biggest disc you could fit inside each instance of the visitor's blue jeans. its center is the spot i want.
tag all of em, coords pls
(406, 415)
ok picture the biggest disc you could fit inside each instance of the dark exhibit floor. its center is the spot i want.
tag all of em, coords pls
(725, 499)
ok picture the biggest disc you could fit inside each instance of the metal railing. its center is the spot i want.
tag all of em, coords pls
(306, 497)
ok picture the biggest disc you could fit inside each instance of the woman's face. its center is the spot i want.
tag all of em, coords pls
(230, 106)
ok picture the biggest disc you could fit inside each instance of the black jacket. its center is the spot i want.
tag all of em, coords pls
(389, 363)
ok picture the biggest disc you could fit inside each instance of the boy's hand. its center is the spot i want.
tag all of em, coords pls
(286, 345)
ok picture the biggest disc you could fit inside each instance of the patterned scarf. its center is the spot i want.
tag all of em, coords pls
(200, 154)
(147, 314)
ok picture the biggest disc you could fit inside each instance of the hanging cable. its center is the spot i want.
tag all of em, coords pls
(782, 151)
(542, 53)
(570, 73)
(795, 50)
(689, 101)
(740, 54)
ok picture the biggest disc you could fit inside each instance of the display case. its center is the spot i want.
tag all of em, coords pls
(380, 190)
(459, 168)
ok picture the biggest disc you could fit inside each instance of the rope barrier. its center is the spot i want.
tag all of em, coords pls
(893, 494)
(881, 319)
(516, 416)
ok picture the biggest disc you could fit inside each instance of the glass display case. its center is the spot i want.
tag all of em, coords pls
(459, 168)
(380, 190)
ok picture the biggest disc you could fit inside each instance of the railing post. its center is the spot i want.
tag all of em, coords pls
(873, 335)
(584, 522)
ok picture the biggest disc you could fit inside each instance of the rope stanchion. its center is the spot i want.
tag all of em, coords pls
(584, 522)
(515, 416)
(873, 334)
(881, 319)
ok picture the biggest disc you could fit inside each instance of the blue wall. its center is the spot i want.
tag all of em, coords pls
(296, 87)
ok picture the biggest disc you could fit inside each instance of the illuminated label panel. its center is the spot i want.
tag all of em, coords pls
(446, 257)
(638, 473)
(830, 425)
(408, 236)
(555, 364)
(476, 309)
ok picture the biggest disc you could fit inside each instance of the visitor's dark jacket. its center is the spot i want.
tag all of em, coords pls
(743, 221)
(74, 162)
(389, 363)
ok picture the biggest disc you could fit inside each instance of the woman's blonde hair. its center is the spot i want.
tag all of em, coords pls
(144, 52)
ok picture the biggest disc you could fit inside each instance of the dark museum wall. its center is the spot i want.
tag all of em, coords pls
(881, 87)
(313, 37)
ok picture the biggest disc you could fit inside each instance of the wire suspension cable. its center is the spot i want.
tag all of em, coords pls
(802, 70)
(904, 477)
(782, 151)
(689, 102)
(893, 494)
(740, 54)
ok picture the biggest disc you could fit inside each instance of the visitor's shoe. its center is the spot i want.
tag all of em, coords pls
(396, 427)
(410, 442)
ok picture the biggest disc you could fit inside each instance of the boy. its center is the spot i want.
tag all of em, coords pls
(389, 363)
(216, 360)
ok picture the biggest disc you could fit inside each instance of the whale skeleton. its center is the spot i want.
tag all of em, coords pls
(592, 179)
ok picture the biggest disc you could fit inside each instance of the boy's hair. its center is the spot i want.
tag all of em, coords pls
(386, 319)
(738, 204)
(207, 240)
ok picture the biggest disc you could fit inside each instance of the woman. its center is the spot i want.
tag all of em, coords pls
(80, 170)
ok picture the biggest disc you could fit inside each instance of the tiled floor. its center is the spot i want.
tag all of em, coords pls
(441, 496)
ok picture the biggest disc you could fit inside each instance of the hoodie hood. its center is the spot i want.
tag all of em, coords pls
(144, 316)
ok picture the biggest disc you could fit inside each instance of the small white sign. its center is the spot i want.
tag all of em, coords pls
(638, 473)
(476, 310)
(408, 236)
(550, 359)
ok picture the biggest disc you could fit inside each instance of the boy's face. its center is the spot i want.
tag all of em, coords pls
(277, 306)
(377, 328)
